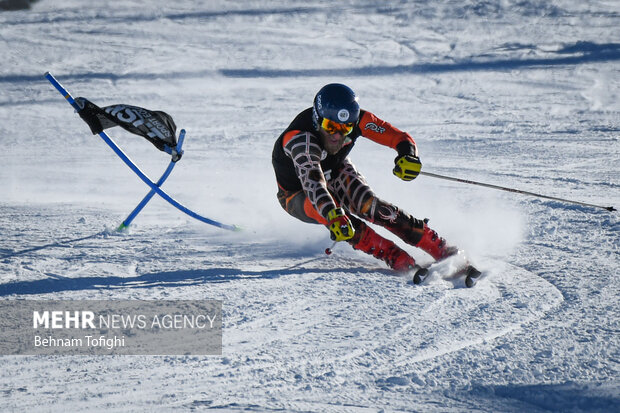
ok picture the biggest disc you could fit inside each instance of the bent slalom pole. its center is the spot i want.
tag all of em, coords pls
(159, 191)
(159, 183)
(137, 170)
(517, 191)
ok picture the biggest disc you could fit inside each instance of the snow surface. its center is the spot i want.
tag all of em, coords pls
(517, 93)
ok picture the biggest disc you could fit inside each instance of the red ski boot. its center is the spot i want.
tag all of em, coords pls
(372, 243)
(434, 245)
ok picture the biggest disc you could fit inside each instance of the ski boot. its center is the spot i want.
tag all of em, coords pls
(374, 244)
(436, 247)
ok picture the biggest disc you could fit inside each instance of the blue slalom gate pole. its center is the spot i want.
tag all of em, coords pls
(137, 170)
(62, 91)
(159, 183)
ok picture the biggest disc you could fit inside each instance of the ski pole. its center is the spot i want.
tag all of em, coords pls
(518, 191)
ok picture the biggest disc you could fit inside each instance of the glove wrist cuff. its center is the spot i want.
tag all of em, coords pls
(335, 213)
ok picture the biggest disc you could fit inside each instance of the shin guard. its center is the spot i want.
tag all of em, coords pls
(374, 244)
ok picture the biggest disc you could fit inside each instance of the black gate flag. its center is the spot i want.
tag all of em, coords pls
(156, 126)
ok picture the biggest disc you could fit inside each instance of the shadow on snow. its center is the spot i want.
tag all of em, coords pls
(165, 278)
(572, 54)
(198, 15)
(181, 278)
(569, 396)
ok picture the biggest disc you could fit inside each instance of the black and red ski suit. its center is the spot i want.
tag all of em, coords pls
(312, 182)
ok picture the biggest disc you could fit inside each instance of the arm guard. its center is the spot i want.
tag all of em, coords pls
(304, 150)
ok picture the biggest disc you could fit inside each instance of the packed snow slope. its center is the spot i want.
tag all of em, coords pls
(524, 94)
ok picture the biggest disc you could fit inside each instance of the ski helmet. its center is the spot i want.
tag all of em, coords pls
(336, 102)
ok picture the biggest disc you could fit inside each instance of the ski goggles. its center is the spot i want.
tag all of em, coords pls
(332, 127)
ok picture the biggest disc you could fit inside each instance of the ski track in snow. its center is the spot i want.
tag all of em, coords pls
(521, 94)
(268, 324)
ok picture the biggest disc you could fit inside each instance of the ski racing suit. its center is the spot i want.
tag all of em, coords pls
(312, 182)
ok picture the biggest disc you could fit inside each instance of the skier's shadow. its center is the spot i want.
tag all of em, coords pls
(180, 278)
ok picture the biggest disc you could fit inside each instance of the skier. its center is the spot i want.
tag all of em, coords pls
(317, 183)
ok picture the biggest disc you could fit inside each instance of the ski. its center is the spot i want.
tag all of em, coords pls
(471, 273)
(472, 277)
(420, 275)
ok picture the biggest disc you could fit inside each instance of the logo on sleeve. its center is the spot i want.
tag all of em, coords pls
(374, 127)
